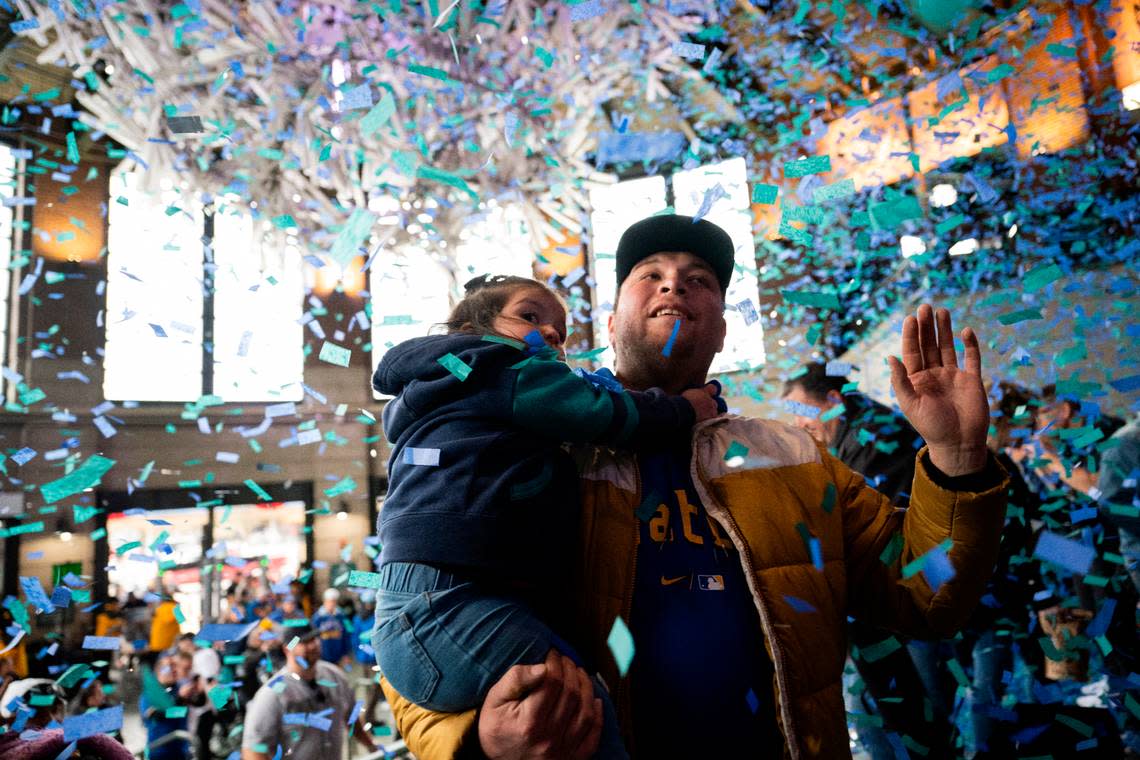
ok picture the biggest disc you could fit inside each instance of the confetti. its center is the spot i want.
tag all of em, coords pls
(455, 366)
(1071, 555)
(334, 354)
(620, 642)
(421, 457)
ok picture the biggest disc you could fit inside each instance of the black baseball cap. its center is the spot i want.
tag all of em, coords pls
(679, 233)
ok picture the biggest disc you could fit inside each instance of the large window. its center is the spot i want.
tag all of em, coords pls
(410, 293)
(615, 208)
(158, 304)
(494, 242)
(9, 180)
(258, 295)
(154, 294)
(720, 193)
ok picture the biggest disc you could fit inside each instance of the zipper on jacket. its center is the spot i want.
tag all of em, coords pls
(733, 530)
(627, 605)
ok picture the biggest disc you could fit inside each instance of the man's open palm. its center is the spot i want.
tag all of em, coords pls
(946, 404)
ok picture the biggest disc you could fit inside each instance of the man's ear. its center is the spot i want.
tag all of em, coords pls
(723, 333)
(835, 398)
(610, 327)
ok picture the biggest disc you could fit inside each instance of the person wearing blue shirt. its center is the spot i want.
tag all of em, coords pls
(336, 643)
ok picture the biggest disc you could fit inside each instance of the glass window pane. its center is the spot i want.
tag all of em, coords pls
(154, 295)
(494, 242)
(614, 209)
(268, 537)
(410, 294)
(729, 208)
(8, 174)
(258, 295)
(138, 569)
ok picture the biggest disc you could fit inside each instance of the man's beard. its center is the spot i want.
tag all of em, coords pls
(642, 361)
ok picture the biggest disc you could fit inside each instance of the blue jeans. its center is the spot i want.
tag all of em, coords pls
(443, 641)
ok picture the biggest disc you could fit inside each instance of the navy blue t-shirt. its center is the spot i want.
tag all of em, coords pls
(701, 679)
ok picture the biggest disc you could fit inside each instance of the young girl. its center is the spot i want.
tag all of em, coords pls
(480, 518)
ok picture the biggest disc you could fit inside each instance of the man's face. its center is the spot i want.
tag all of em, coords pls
(821, 431)
(304, 653)
(662, 290)
(1055, 416)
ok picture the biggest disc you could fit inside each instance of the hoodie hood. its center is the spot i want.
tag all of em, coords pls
(411, 371)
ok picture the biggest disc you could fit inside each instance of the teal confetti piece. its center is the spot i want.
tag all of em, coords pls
(352, 236)
(429, 71)
(345, 485)
(334, 354)
(648, 507)
(832, 413)
(806, 166)
(1061, 51)
(736, 450)
(362, 579)
(1039, 277)
(455, 366)
(378, 116)
(844, 188)
(620, 642)
(446, 178)
(829, 496)
(1021, 315)
(764, 194)
(261, 492)
(72, 148)
(878, 651)
(893, 550)
(816, 300)
(87, 475)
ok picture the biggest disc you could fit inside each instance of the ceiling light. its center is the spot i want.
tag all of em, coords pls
(964, 247)
(943, 195)
(1130, 95)
(911, 245)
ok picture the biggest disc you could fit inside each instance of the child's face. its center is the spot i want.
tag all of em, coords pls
(531, 309)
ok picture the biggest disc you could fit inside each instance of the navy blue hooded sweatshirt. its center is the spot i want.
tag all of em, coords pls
(502, 501)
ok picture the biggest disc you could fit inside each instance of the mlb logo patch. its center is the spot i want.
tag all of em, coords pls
(710, 582)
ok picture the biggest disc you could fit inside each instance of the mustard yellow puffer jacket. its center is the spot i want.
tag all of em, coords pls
(785, 479)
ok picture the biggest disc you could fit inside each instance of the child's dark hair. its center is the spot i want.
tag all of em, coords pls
(483, 300)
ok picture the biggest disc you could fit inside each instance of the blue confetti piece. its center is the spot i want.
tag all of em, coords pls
(816, 553)
(1126, 384)
(92, 723)
(357, 97)
(224, 631)
(110, 643)
(799, 605)
(23, 456)
(753, 701)
(938, 569)
(587, 10)
(25, 25)
(1099, 624)
(802, 410)
(421, 457)
(61, 596)
(1071, 555)
(669, 343)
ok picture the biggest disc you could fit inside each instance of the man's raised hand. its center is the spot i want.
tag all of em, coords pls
(946, 404)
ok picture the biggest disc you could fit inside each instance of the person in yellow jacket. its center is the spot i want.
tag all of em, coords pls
(164, 626)
(714, 580)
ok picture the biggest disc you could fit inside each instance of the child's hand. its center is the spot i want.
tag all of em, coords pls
(703, 401)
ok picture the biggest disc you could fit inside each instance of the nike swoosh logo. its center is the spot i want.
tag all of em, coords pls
(670, 581)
